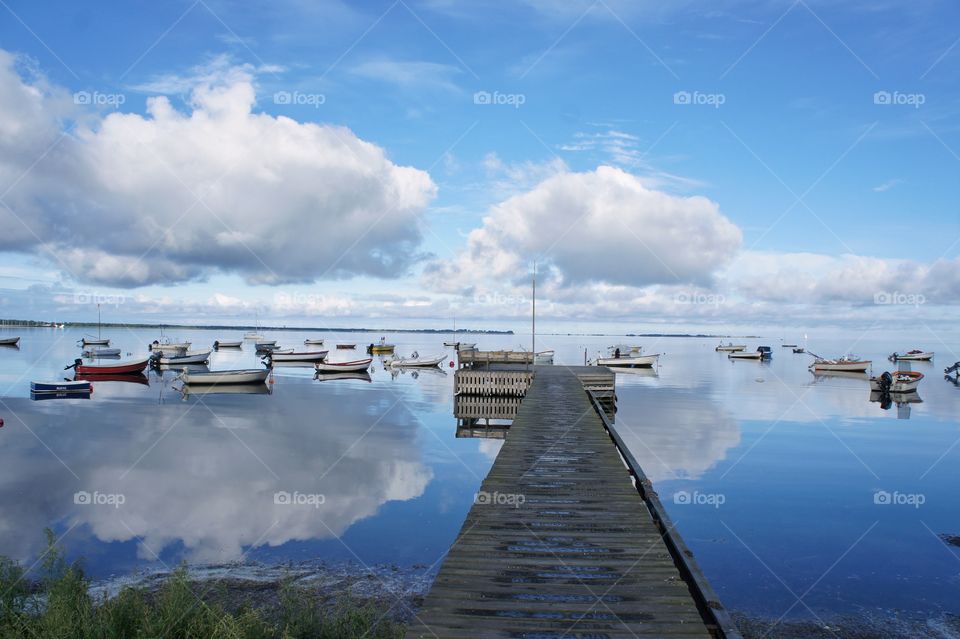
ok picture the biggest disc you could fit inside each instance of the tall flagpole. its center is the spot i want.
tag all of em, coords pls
(533, 331)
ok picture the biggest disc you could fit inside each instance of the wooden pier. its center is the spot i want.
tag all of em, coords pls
(566, 538)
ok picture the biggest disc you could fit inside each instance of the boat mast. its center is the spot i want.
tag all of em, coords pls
(98, 321)
(533, 327)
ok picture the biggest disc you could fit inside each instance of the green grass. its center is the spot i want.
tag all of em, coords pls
(58, 606)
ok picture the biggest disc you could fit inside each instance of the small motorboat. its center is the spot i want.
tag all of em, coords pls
(293, 356)
(415, 361)
(788, 346)
(845, 364)
(639, 361)
(730, 347)
(896, 382)
(543, 358)
(762, 352)
(266, 343)
(169, 347)
(313, 342)
(61, 387)
(9, 341)
(134, 367)
(95, 341)
(190, 357)
(101, 352)
(461, 346)
(799, 350)
(253, 335)
(245, 376)
(228, 344)
(915, 355)
(355, 366)
(382, 348)
(346, 347)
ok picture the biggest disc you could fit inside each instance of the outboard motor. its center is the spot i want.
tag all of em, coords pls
(370, 349)
(886, 381)
(76, 363)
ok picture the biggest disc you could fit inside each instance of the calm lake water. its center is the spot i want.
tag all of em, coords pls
(772, 475)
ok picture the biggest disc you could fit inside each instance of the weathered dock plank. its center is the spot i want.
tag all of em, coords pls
(559, 542)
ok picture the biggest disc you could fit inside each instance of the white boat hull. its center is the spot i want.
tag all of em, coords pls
(731, 348)
(196, 357)
(9, 341)
(626, 362)
(315, 356)
(841, 367)
(102, 352)
(357, 366)
(230, 344)
(89, 341)
(914, 357)
(418, 362)
(249, 376)
(313, 342)
(742, 355)
(170, 348)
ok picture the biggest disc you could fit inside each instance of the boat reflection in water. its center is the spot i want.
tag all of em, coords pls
(223, 389)
(329, 377)
(136, 378)
(902, 400)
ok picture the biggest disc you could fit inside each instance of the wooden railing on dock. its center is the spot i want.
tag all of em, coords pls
(475, 358)
(487, 382)
(560, 543)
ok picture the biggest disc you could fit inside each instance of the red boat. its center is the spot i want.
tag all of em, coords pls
(130, 378)
(120, 368)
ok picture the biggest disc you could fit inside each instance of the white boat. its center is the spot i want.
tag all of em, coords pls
(245, 376)
(628, 362)
(293, 356)
(543, 358)
(896, 382)
(912, 356)
(169, 347)
(9, 341)
(190, 357)
(313, 342)
(266, 342)
(101, 352)
(415, 361)
(762, 352)
(730, 347)
(344, 367)
(228, 343)
(95, 341)
(847, 363)
(253, 335)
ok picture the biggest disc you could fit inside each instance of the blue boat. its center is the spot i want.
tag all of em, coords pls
(61, 387)
(64, 395)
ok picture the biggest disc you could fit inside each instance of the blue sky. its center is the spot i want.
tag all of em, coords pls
(825, 186)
